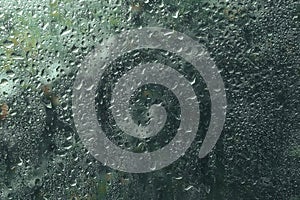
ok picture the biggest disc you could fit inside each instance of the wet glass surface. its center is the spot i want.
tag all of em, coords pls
(254, 46)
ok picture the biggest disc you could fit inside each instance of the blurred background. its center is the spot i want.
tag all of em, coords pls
(255, 45)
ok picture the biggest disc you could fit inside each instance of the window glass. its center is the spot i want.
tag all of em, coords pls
(149, 99)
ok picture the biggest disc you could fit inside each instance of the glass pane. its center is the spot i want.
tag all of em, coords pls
(149, 99)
